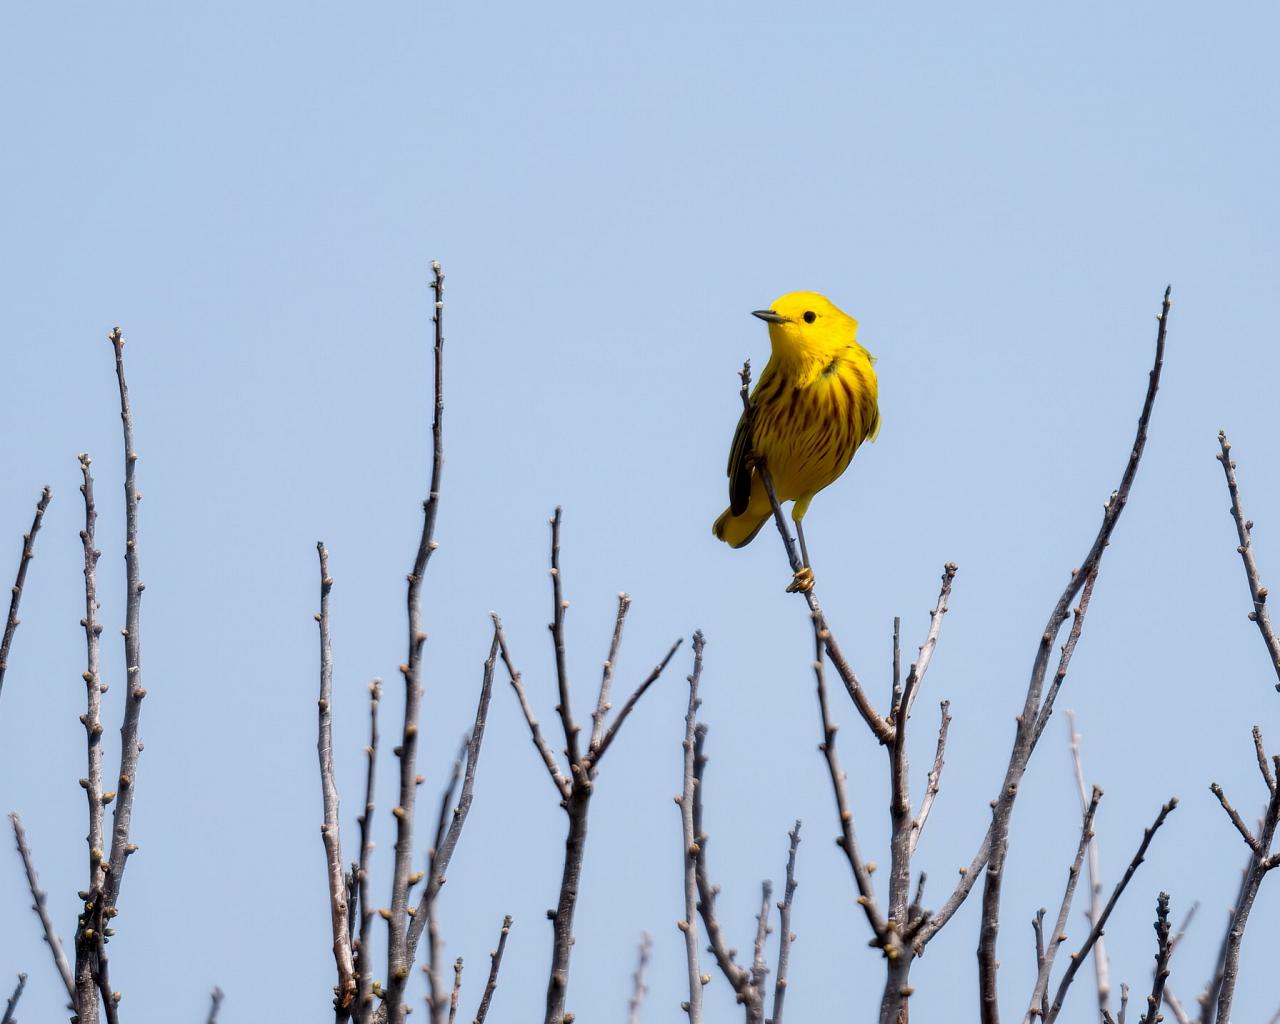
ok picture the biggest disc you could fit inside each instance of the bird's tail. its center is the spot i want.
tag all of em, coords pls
(739, 531)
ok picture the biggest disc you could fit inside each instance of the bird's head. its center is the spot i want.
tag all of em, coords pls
(807, 321)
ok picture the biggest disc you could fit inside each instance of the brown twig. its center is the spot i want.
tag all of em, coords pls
(330, 832)
(535, 730)
(130, 746)
(1164, 949)
(742, 981)
(1221, 992)
(1101, 965)
(1244, 531)
(1038, 706)
(215, 1004)
(446, 840)
(1040, 992)
(638, 986)
(932, 784)
(495, 964)
(1078, 957)
(363, 1004)
(92, 783)
(12, 1004)
(785, 935)
(399, 956)
(606, 677)
(457, 990)
(577, 787)
(38, 904)
(689, 926)
(28, 553)
(435, 945)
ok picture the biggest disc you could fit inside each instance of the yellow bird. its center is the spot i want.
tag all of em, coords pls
(815, 403)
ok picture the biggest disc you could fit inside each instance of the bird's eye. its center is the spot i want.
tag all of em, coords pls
(810, 316)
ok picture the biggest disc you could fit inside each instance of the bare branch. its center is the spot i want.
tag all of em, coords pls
(215, 1005)
(785, 935)
(738, 977)
(606, 677)
(447, 838)
(760, 966)
(1164, 949)
(1030, 724)
(1101, 967)
(932, 784)
(12, 1004)
(1040, 992)
(329, 831)
(130, 746)
(1078, 957)
(848, 840)
(495, 963)
(92, 782)
(565, 708)
(362, 953)
(686, 800)
(399, 957)
(38, 905)
(593, 757)
(1175, 1007)
(638, 987)
(457, 990)
(1244, 531)
(1234, 815)
(1268, 776)
(28, 553)
(915, 675)
(535, 730)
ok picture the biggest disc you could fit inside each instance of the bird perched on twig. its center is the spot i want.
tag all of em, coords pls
(814, 405)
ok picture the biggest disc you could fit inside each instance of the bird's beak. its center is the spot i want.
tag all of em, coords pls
(769, 316)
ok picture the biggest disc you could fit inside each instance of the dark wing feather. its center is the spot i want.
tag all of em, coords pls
(740, 468)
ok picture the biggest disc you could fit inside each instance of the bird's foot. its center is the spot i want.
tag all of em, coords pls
(802, 582)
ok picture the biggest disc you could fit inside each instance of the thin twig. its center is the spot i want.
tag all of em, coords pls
(559, 607)
(92, 782)
(457, 990)
(847, 841)
(785, 935)
(361, 958)
(1268, 776)
(594, 756)
(543, 747)
(739, 978)
(435, 945)
(1234, 815)
(495, 963)
(130, 746)
(1030, 724)
(606, 676)
(932, 784)
(1078, 957)
(329, 831)
(28, 553)
(42, 911)
(399, 957)
(638, 986)
(447, 841)
(1244, 531)
(1164, 949)
(1101, 965)
(1040, 992)
(689, 926)
(760, 966)
(1175, 1007)
(12, 1004)
(215, 1004)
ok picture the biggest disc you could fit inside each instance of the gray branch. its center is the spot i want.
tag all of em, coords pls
(38, 904)
(28, 553)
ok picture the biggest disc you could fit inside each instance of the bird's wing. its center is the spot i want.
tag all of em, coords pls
(740, 468)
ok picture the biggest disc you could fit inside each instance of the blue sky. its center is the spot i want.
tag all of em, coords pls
(254, 193)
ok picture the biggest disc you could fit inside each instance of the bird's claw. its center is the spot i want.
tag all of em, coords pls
(802, 582)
